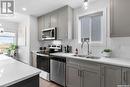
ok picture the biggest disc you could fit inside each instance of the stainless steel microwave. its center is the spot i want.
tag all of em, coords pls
(49, 34)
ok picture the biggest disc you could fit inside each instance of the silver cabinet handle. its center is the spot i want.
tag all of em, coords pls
(125, 77)
(78, 72)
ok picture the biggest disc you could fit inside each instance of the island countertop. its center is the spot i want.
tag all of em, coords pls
(13, 71)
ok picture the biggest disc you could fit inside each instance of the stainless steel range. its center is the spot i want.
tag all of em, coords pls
(43, 60)
(43, 63)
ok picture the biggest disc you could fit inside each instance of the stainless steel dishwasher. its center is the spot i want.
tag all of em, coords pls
(58, 70)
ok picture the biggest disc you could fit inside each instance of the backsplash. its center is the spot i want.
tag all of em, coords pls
(120, 47)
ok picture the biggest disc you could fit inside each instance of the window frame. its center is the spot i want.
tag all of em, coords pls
(103, 41)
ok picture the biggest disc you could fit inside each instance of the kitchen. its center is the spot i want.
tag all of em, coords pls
(74, 43)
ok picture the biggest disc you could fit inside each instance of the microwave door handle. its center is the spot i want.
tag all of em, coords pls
(51, 33)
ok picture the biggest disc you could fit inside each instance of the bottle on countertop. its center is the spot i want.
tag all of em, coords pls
(65, 49)
(76, 51)
(69, 49)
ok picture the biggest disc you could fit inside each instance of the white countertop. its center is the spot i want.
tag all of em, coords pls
(13, 71)
(124, 62)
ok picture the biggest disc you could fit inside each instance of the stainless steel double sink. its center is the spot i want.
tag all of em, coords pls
(87, 56)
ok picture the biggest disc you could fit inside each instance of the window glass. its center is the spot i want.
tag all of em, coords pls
(85, 27)
(96, 28)
(6, 39)
(91, 27)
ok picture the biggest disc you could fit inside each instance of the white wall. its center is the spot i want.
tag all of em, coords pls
(34, 42)
(24, 49)
(31, 38)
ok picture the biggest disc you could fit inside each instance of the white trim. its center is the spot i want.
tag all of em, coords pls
(103, 29)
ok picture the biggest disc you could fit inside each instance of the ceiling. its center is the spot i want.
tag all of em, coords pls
(39, 7)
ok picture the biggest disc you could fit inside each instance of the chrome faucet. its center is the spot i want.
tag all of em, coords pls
(87, 41)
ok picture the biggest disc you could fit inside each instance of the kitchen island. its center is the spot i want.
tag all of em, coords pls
(17, 74)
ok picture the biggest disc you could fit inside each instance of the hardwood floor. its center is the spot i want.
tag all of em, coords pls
(44, 83)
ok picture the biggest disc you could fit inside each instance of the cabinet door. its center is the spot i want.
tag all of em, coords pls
(120, 20)
(54, 19)
(111, 76)
(63, 24)
(90, 77)
(40, 26)
(72, 76)
(47, 21)
(126, 76)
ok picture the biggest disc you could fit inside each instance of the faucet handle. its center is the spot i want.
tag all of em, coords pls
(90, 52)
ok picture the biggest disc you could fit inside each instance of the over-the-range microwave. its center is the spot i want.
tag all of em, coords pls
(49, 34)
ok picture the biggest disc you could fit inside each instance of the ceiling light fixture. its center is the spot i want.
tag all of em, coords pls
(24, 9)
(0, 25)
(86, 4)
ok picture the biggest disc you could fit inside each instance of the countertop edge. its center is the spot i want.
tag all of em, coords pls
(19, 80)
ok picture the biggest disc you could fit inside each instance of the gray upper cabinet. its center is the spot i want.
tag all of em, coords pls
(62, 19)
(119, 18)
(40, 26)
(54, 19)
(62, 24)
(110, 76)
(65, 20)
(47, 21)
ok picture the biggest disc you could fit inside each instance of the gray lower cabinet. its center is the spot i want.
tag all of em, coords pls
(91, 74)
(90, 77)
(110, 76)
(73, 76)
(83, 75)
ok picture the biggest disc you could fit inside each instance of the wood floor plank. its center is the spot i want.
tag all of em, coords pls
(44, 83)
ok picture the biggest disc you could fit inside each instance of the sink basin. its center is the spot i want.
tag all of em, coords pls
(80, 55)
(93, 57)
(89, 57)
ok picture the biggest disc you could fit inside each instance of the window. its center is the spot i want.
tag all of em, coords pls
(6, 39)
(93, 26)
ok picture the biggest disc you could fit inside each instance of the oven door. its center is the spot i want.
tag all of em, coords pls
(43, 63)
